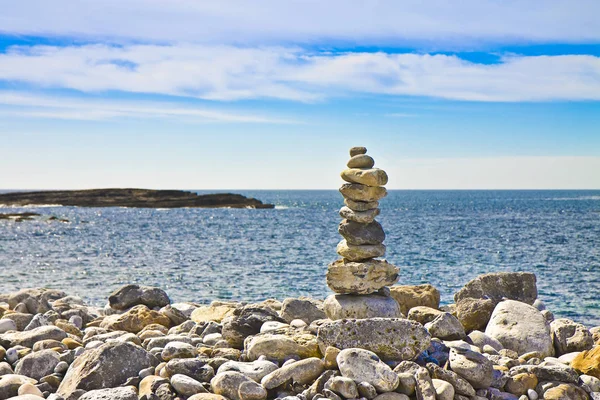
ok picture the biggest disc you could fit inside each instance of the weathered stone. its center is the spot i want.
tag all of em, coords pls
(9, 384)
(360, 253)
(36, 300)
(29, 389)
(304, 308)
(254, 370)
(135, 319)
(281, 347)
(389, 338)
(236, 386)
(186, 386)
(109, 365)
(461, 385)
(520, 384)
(474, 314)
(29, 338)
(418, 381)
(588, 362)
(443, 390)
(369, 177)
(7, 325)
(345, 387)
(409, 296)
(357, 150)
(207, 396)
(480, 340)
(340, 306)
(472, 366)
(349, 277)
(133, 295)
(595, 331)
(216, 311)
(119, 393)
(245, 322)
(176, 316)
(520, 286)
(302, 372)
(21, 320)
(569, 336)
(358, 192)
(566, 392)
(37, 365)
(361, 217)
(446, 327)
(360, 234)
(178, 350)
(364, 366)
(360, 206)
(521, 328)
(423, 314)
(195, 368)
(361, 161)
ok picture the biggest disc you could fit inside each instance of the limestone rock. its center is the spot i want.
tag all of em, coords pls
(349, 277)
(369, 177)
(570, 336)
(195, 368)
(360, 234)
(474, 314)
(443, 390)
(281, 347)
(216, 311)
(207, 396)
(133, 295)
(246, 321)
(186, 386)
(480, 340)
(423, 314)
(361, 161)
(358, 192)
(361, 217)
(29, 338)
(7, 325)
(9, 384)
(520, 286)
(461, 385)
(119, 393)
(360, 206)
(472, 366)
(390, 338)
(37, 365)
(521, 328)
(360, 253)
(303, 372)
(135, 319)
(364, 366)
(446, 327)
(178, 350)
(36, 300)
(109, 365)
(357, 150)
(304, 308)
(340, 306)
(345, 387)
(565, 392)
(588, 362)
(409, 296)
(235, 386)
(254, 370)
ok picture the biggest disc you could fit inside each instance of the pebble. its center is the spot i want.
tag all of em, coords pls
(186, 386)
(7, 325)
(357, 150)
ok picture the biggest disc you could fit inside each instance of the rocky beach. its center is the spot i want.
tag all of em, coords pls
(371, 339)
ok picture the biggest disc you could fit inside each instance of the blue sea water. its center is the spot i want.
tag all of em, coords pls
(444, 238)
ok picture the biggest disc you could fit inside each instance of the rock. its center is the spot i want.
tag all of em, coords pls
(178, 350)
(29, 338)
(521, 328)
(474, 314)
(236, 386)
(392, 396)
(369, 177)
(472, 366)
(245, 322)
(565, 392)
(7, 325)
(36, 300)
(588, 362)
(446, 327)
(281, 347)
(360, 253)
(443, 390)
(364, 366)
(39, 364)
(362, 217)
(29, 389)
(176, 316)
(134, 320)
(519, 286)
(569, 336)
(595, 331)
(304, 308)
(520, 384)
(360, 234)
(360, 277)
(340, 306)
(360, 206)
(361, 161)
(21, 320)
(254, 370)
(366, 390)
(592, 382)
(358, 192)
(418, 380)
(357, 150)
(216, 311)
(109, 365)
(460, 385)
(345, 387)
(133, 295)
(389, 338)
(423, 314)
(118, 393)
(302, 372)
(480, 340)
(409, 296)
(207, 396)
(195, 368)
(9, 384)
(186, 386)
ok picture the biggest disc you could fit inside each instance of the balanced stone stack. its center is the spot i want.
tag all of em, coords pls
(360, 279)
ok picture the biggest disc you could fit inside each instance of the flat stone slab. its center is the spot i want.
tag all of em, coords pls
(365, 277)
(340, 306)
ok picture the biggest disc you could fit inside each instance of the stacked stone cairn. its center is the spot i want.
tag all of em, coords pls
(360, 279)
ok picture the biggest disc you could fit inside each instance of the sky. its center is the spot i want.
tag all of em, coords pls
(270, 94)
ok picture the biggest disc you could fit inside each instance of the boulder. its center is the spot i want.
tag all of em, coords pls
(348, 277)
(362, 217)
(340, 306)
(358, 192)
(245, 322)
(480, 340)
(304, 308)
(29, 338)
(119, 393)
(472, 366)
(369, 177)
(423, 314)
(409, 296)
(360, 234)
(521, 328)
(235, 386)
(519, 286)
(37, 300)
(389, 338)
(39, 364)
(446, 327)
(282, 347)
(474, 314)
(135, 319)
(216, 311)
(133, 295)
(569, 336)
(364, 366)
(360, 252)
(109, 365)
(588, 362)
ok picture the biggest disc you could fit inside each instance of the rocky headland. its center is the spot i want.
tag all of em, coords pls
(141, 198)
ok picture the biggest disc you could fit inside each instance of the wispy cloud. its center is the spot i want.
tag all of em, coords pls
(17, 104)
(233, 73)
(459, 23)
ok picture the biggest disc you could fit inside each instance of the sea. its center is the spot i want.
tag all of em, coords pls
(444, 238)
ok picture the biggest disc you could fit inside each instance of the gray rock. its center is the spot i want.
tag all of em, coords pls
(443, 390)
(349, 277)
(364, 366)
(358, 234)
(254, 370)
(360, 253)
(357, 150)
(480, 340)
(9, 384)
(340, 306)
(282, 347)
(236, 386)
(36, 300)
(303, 372)
(521, 328)
(109, 365)
(178, 350)
(37, 321)
(389, 338)
(132, 295)
(119, 393)
(365, 176)
(29, 338)
(423, 314)
(366, 390)
(473, 367)
(195, 368)
(361, 217)
(245, 322)
(460, 385)
(358, 192)
(7, 325)
(519, 286)
(345, 387)
(304, 308)
(548, 372)
(418, 382)
(569, 336)
(361, 205)
(446, 327)
(186, 386)
(319, 384)
(38, 364)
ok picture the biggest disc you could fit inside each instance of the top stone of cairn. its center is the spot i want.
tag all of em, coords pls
(354, 151)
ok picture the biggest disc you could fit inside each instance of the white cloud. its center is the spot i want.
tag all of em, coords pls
(233, 73)
(17, 104)
(444, 23)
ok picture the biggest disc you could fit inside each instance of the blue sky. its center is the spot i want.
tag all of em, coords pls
(218, 95)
